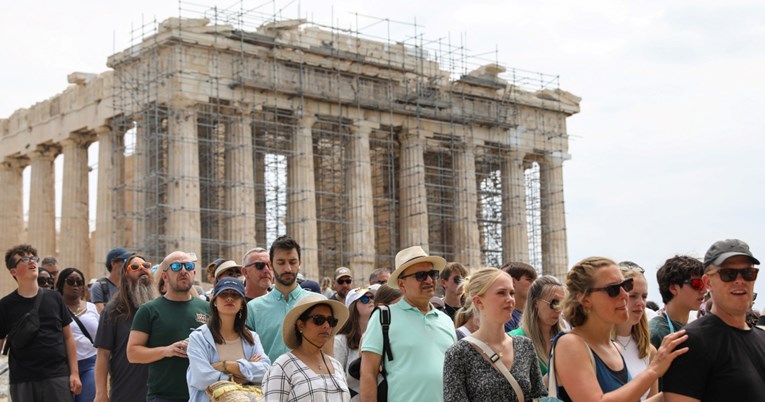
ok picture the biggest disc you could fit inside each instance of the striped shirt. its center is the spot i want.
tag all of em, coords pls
(290, 380)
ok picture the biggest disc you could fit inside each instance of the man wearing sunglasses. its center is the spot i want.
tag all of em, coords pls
(419, 334)
(726, 357)
(258, 275)
(44, 368)
(682, 291)
(452, 278)
(161, 327)
(343, 284)
(106, 287)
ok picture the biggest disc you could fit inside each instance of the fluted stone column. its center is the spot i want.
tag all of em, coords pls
(361, 209)
(413, 198)
(42, 200)
(466, 240)
(515, 239)
(11, 202)
(554, 251)
(136, 186)
(74, 249)
(184, 228)
(240, 192)
(259, 169)
(301, 197)
(109, 164)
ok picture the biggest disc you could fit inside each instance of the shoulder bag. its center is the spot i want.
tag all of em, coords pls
(26, 328)
(496, 361)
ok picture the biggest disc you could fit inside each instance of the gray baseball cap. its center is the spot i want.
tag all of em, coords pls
(724, 249)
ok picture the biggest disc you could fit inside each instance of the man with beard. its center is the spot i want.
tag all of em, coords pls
(256, 267)
(265, 314)
(128, 381)
(161, 327)
(418, 334)
(343, 283)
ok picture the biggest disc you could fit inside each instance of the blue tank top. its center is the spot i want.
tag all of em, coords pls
(608, 379)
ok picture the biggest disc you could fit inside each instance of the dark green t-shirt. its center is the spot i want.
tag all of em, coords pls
(167, 322)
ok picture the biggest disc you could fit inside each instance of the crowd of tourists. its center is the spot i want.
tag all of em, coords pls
(264, 332)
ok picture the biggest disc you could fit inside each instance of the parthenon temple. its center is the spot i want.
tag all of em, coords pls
(215, 136)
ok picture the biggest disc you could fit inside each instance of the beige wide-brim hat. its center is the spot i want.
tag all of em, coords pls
(410, 256)
(225, 266)
(289, 332)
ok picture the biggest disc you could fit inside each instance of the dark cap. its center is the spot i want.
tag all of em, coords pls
(229, 283)
(311, 286)
(724, 249)
(115, 253)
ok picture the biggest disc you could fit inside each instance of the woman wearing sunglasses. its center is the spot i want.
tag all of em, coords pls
(305, 373)
(541, 317)
(360, 303)
(587, 364)
(45, 279)
(71, 285)
(633, 335)
(225, 349)
(491, 365)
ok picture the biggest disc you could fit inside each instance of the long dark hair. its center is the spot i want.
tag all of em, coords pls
(66, 273)
(121, 306)
(352, 328)
(239, 323)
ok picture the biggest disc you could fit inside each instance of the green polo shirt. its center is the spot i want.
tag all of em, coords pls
(265, 315)
(419, 342)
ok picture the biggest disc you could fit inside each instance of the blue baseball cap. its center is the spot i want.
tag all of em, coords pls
(229, 283)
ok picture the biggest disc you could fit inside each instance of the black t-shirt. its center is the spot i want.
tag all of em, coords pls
(722, 363)
(45, 356)
(450, 311)
(128, 380)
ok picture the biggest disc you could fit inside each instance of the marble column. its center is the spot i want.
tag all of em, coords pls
(361, 236)
(261, 214)
(74, 248)
(110, 162)
(515, 239)
(184, 228)
(11, 211)
(42, 200)
(240, 191)
(139, 170)
(554, 246)
(301, 197)
(466, 240)
(413, 198)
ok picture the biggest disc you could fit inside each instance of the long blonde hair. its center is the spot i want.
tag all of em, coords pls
(542, 287)
(640, 331)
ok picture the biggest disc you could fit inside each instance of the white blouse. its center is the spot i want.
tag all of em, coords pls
(290, 380)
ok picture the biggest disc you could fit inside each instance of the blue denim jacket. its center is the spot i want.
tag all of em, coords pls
(202, 353)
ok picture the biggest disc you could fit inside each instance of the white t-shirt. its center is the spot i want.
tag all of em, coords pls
(635, 365)
(89, 319)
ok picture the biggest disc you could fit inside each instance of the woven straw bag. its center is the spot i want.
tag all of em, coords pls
(229, 391)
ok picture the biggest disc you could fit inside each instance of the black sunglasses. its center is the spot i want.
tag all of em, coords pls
(74, 282)
(616, 288)
(554, 304)
(45, 281)
(344, 281)
(420, 276)
(366, 299)
(258, 265)
(321, 319)
(730, 274)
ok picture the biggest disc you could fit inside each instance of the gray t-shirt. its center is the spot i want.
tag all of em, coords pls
(128, 380)
(97, 292)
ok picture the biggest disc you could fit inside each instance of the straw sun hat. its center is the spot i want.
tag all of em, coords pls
(289, 332)
(410, 256)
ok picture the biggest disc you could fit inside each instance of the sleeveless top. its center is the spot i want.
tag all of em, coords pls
(608, 379)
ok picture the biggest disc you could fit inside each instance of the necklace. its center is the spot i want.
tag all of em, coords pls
(80, 309)
(624, 345)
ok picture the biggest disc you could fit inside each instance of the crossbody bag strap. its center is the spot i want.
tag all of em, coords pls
(35, 309)
(494, 358)
(82, 327)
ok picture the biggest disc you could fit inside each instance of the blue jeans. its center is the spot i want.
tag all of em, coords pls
(88, 379)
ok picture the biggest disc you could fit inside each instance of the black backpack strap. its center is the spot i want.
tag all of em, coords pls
(385, 322)
(104, 290)
(35, 309)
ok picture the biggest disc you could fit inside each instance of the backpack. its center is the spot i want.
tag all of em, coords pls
(354, 369)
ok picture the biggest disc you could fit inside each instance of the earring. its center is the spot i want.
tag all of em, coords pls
(240, 314)
(215, 304)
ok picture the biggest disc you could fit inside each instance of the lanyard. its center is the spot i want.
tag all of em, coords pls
(669, 323)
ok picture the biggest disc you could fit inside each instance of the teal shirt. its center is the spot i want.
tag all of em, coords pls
(265, 315)
(419, 342)
(542, 363)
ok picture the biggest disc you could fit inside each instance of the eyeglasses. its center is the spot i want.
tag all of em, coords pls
(554, 304)
(232, 272)
(177, 266)
(420, 276)
(258, 265)
(696, 283)
(344, 281)
(379, 282)
(74, 282)
(26, 259)
(615, 289)
(229, 295)
(730, 274)
(458, 279)
(45, 281)
(136, 266)
(366, 299)
(321, 319)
